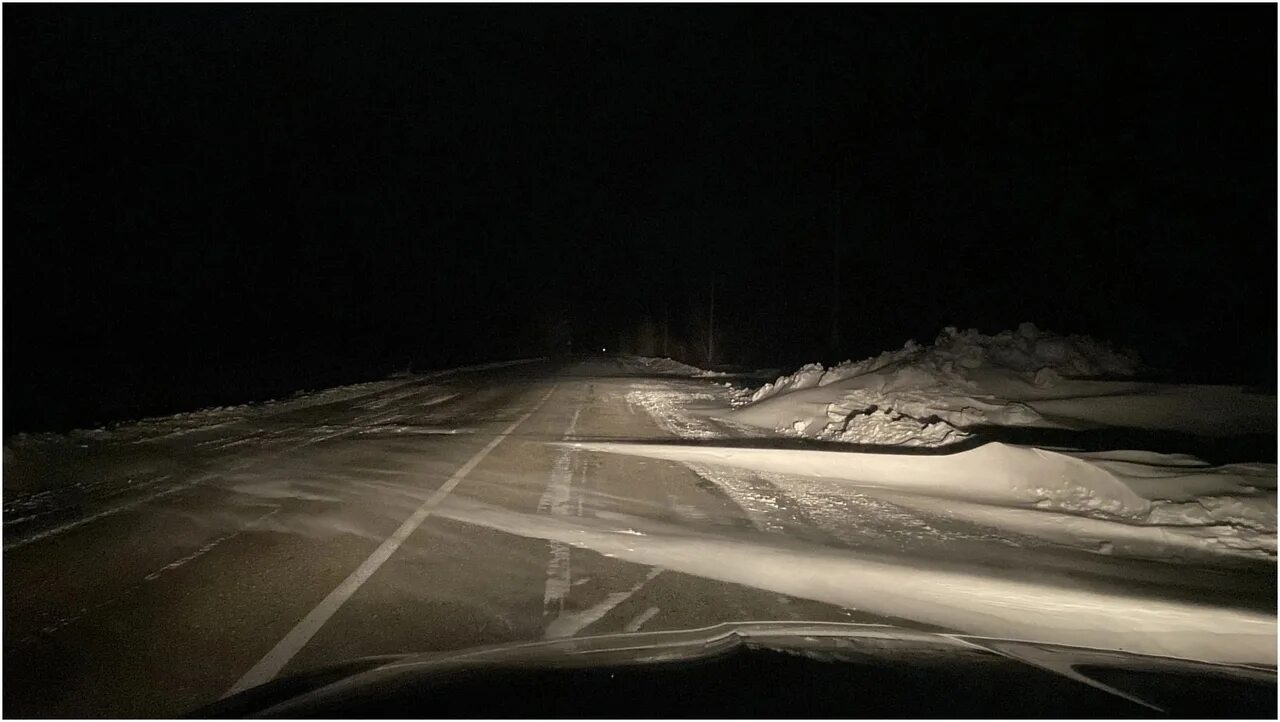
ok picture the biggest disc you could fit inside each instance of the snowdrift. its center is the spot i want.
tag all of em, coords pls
(969, 601)
(1176, 500)
(932, 396)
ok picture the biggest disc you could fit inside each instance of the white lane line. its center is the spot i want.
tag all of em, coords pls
(555, 501)
(635, 624)
(135, 503)
(275, 660)
(126, 506)
(206, 548)
(86, 611)
(440, 399)
(567, 625)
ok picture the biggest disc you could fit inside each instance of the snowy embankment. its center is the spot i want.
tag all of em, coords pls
(671, 367)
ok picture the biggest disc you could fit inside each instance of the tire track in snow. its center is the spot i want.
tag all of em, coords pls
(562, 499)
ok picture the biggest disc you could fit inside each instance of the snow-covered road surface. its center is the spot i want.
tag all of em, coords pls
(149, 569)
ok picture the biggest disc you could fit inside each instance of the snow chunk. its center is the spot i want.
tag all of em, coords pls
(886, 428)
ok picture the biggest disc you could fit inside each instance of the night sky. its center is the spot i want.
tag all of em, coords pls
(213, 204)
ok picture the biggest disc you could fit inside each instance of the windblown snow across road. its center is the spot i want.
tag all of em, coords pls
(153, 567)
(1097, 501)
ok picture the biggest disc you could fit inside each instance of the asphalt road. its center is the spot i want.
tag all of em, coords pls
(315, 536)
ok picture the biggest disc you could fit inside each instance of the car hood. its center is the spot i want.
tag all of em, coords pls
(304, 695)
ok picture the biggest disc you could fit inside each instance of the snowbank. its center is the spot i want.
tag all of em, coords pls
(671, 367)
(931, 396)
(1026, 350)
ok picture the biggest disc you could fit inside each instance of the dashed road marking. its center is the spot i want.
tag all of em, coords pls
(567, 625)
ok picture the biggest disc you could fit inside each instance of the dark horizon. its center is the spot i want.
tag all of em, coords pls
(219, 204)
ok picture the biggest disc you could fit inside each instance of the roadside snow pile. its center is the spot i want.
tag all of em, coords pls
(671, 367)
(1045, 354)
(930, 395)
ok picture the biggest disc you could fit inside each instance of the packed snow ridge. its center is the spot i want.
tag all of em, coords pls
(935, 395)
